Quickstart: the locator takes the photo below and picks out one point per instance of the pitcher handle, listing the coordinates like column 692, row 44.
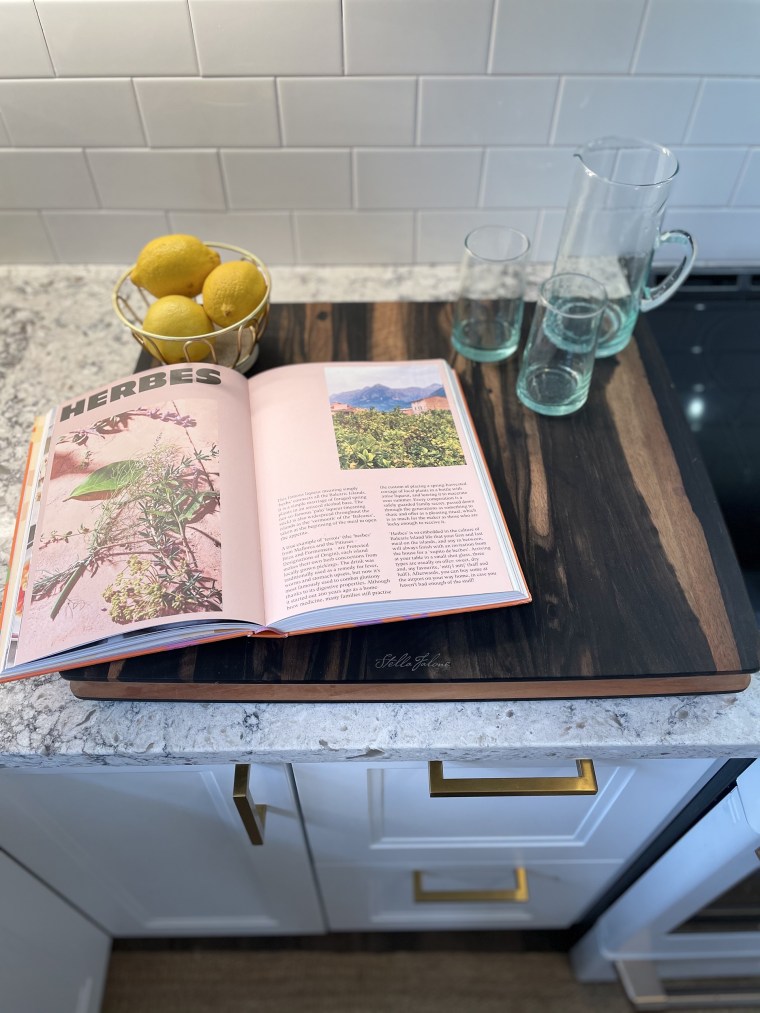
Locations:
column 656, row 296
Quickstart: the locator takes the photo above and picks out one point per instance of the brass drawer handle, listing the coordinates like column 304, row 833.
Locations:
column 251, row 814
column 473, row 787
column 517, row 896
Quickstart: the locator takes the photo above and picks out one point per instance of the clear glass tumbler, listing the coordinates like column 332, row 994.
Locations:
column 489, row 309
column 558, row 361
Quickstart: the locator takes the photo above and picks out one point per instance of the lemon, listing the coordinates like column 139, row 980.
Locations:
column 174, row 265
column 176, row 316
column 232, row 291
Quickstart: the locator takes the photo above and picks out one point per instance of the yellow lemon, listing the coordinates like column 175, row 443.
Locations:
column 174, row 265
column 176, row 316
column 232, row 291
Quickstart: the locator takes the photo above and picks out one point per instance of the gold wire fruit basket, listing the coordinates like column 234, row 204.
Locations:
column 236, row 346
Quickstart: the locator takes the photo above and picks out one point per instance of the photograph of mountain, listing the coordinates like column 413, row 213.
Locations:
column 392, row 416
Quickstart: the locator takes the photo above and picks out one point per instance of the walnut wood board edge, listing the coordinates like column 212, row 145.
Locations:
column 636, row 586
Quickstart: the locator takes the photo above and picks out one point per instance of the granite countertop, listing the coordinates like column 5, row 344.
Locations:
column 58, row 336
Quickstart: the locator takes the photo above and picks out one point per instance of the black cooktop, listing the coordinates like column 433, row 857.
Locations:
column 709, row 335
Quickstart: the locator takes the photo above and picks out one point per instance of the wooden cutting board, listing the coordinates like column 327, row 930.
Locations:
column 636, row 589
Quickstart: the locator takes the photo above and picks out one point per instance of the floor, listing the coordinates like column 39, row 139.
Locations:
column 439, row 972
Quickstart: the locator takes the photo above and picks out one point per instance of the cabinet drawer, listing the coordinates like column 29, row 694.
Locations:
column 370, row 812
column 405, row 897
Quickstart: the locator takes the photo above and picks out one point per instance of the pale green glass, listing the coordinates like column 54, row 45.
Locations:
column 488, row 312
column 558, row 360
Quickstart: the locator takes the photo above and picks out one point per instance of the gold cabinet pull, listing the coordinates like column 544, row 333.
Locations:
column 473, row 787
column 517, row 896
column 251, row 814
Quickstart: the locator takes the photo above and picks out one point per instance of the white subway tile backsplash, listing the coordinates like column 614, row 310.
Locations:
column 268, row 36
column 50, row 178
column 288, row 179
column 71, row 113
column 269, row 235
column 706, row 176
column 725, row 235
column 417, row 178
column 748, row 191
column 161, row 180
column 23, row 52
column 582, row 37
column 441, row 234
column 728, row 112
column 528, row 177
column 23, row 239
column 357, row 238
column 657, row 108
column 700, row 37
column 486, row 110
column 203, row 113
column 417, row 36
column 102, row 237
column 347, row 111
column 101, row 38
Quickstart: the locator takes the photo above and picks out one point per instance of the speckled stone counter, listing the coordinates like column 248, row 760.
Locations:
column 58, row 336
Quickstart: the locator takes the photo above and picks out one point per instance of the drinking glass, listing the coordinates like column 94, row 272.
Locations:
column 558, row 361
column 612, row 229
column 489, row 309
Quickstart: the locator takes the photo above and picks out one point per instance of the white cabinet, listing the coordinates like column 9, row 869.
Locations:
column 376, row 832
column 51, row 957
column 162, row 851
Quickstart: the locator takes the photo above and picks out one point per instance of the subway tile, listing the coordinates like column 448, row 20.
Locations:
column 728, row 112
column 723, row 236
column 550, row 222
column 203, row 113
column 102, row 237
column 656, row 108
column 701, row 37
column 71, row 113
column 441, row 234
column 45, row 179
column 706, row 176
column 23, row 239
column 748, row 191
column 23, row 52
column 269, row 180
column 559, row 37
column 161, row 180
column 417, row 178
column 355, row 237
column 528, row 177
column 417, row 36
column 266, row 234
column 118, row 38
column 486, row 110
column 268, row 36
column 347, row 111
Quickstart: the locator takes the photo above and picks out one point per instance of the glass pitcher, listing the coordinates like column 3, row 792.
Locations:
column 612, row 229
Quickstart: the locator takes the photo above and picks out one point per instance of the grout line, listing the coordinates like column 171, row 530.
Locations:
column 140, row 113
column 693, row 112
column 492, row 38
column 195, row 41
column 639, row 38
column 554, row 123
column 44, row 39
column 739, row 178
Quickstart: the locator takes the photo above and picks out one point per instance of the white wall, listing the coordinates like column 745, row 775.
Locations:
column 367, row 131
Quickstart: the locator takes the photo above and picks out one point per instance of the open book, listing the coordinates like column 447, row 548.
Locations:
column 188, row 503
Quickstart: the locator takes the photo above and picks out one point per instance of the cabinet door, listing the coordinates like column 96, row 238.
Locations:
column 163, row 851
column 51, row 958
column 384, row 813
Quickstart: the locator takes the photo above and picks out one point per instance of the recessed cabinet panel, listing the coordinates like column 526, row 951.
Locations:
column 384, row 898
column 163, row 851
column 384, row 812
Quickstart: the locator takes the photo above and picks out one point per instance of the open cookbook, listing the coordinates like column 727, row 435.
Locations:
column 189, row 503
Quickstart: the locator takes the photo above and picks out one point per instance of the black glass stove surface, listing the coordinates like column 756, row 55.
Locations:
column 709, row 335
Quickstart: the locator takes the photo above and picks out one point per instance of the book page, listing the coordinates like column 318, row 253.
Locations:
column 367, row 488
column 147, row 513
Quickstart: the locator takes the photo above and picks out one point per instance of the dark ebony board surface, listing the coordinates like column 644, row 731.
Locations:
column 636, row 589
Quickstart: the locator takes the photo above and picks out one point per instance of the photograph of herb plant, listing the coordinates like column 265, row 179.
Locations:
column 391, row 416
column 131, row 529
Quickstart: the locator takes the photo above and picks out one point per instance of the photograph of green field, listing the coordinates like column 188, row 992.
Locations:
column 392, row 417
